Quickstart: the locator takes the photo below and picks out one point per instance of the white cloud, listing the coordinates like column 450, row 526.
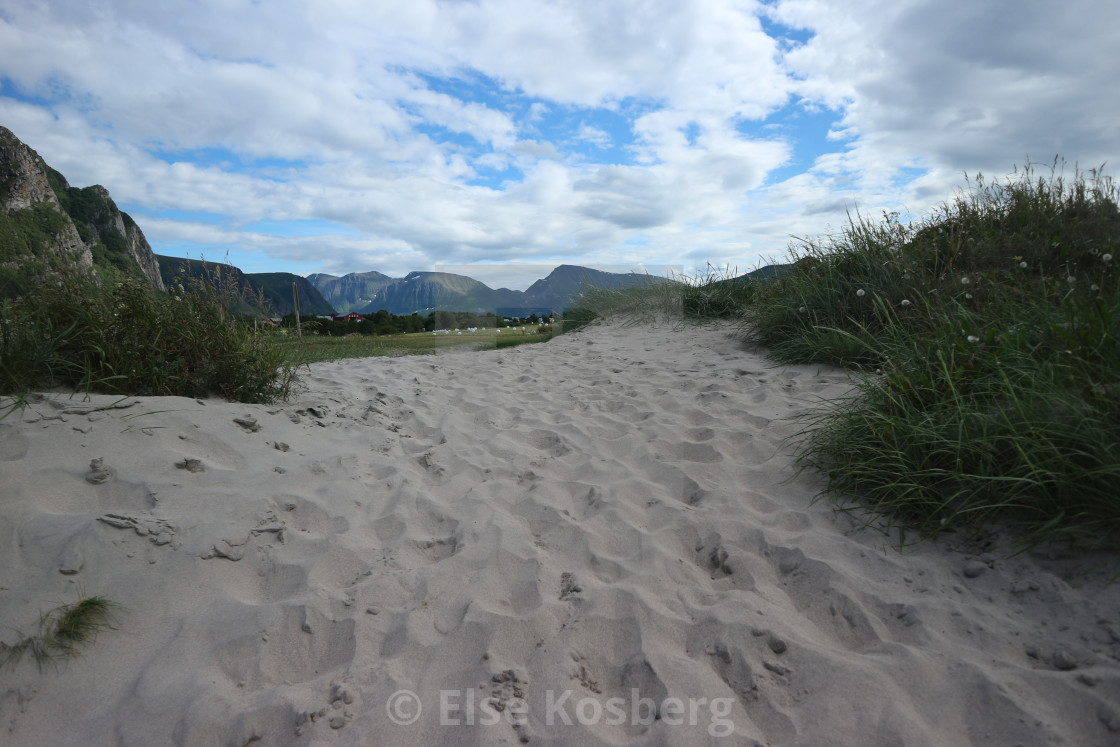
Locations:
column 379, row 117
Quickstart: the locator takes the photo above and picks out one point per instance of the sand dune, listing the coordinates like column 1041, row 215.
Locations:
column 595, row 540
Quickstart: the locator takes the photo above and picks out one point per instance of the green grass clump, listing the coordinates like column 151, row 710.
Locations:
column 70, row 330
column 985, row 345
column 62, row 632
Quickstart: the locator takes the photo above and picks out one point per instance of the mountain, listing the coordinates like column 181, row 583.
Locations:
column 425, row 292
column 350, row 292
column 565, row 283
column 274, row 287
column 43, row 218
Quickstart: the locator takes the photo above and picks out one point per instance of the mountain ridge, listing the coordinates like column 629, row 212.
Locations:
column 274, row 287
column 424, row 292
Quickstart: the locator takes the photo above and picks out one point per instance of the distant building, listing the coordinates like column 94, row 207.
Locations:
column 353, row 316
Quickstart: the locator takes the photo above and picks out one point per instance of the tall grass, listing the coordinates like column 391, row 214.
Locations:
column 984, row 342
column 71, row 330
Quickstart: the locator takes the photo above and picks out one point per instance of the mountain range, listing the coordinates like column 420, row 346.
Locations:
column 425, row 292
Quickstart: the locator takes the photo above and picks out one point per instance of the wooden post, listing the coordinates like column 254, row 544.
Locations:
column 295, row 302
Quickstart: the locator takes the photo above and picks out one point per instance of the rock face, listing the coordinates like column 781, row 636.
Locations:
column 46, row 216
column 24, row 186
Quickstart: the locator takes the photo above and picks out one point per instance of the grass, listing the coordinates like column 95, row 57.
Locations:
column 315, row 349
column 983, row 343
column 62, row 632
column 70, row 330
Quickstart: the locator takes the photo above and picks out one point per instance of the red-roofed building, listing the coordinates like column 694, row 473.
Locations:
column 353, row 316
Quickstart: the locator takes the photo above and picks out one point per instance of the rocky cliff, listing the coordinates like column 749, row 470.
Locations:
column 42, row 216
column 32, row 220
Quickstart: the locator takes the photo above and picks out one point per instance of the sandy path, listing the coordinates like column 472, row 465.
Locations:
column 594, row 530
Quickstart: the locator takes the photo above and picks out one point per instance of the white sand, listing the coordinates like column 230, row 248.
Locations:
column 610, row 514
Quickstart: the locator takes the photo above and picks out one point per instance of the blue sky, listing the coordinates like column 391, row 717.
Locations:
column 501, row 138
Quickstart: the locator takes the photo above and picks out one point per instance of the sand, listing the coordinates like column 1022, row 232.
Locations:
column 597, row 540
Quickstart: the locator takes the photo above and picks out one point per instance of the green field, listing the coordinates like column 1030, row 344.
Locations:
column 316, row 349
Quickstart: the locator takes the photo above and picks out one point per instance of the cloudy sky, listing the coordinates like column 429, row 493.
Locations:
column 499, row 138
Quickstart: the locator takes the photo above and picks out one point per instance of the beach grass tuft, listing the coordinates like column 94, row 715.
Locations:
column 62, row 632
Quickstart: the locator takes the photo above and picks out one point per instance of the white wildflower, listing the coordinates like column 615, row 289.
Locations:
column 905, row 302
column 1023, row 265
column 973, row 338
column 1106, row 257
column 1071, row 279
column 1094, row 287
column 861, row 293
column 965, row 281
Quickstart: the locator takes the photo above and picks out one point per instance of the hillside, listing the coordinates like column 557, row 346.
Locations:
column 274, row 287
column 44, row 219
column 566, row 282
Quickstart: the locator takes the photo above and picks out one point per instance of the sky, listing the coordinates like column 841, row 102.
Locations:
column 501, row 138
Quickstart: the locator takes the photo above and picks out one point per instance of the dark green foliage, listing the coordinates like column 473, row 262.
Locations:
column 128, row 338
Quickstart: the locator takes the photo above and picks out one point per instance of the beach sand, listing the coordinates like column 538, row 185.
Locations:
column 584, row 534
